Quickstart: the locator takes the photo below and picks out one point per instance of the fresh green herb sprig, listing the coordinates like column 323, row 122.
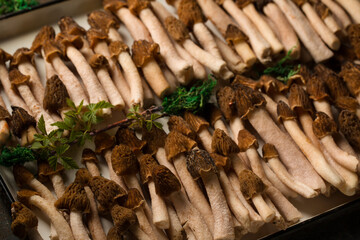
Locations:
column 142, row 120
column 281, row 70
column 17, row 155
column 192, row 100
column 8, row 6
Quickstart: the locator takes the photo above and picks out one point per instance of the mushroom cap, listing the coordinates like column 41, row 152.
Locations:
column 124, row 160
column 155, row 138
column 299, row 99
column 22, row 176
column 333, row 81
column 22, row 219
column 136, row 6
column 144, row 51
column 51, row 49
column 176, row 29
column 247, row 99
column 197, row 123
column 243, row 3
column 176, row 143
column 284, row 112
column 353, row 31
column 351, row 74
column 122, row 217
column 199, row 163
column 83, row 176
column 221, row 161
column 46, row 33
column 106, row 191
column 4, row 114
column 117, row 47
column 128, row 137
column 55, row 95
column 22, row 55
column 17, row 78
column 269, row 151
column 24, row 196
column 301, row 77
column 102, row 20
column 189, row 13
column 4, row 56
column 323, row 125
column 250, row 184
column 114, row 234
column 226, row 101
column 177, row 123
column 272, row 85
column 68, row 25
column 165, row 181
column 321, row 9
column 88, row 155
column 103, row 142
column 97, row 61
column 316, row 87
column 74, row 199
column 248, row 82
column 20, row 121
column 134, row 200
column 246, row 140
column 214, row 114
column 347, row 103
column 45, row 171
column 113, row 5
column 223, row 144
column 64, row 39
column 234, row 35
column 146, row 162
column 96, row 35
column 349, row 125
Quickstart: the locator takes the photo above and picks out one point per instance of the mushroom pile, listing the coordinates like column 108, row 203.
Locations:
column 205, row 178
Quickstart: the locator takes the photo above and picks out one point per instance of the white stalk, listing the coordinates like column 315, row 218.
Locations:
column 77, row 226
column 159, row 208
column 352, row 7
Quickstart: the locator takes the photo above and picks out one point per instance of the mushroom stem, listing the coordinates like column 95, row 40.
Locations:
column 263, row 28
column 58, row 184
column 4, row 132
column 189, row 233
column 278, row 220
column 352, row 7
column 245, row 52
column 206, row 39
column 326, row 35
column 94, row 222
column 49, row 70
column 138, row 233
column 113, row 175
column 93, row 169
column 175, row 231
column 332, row 24
column 36, row 86
column 77, row 226
column 264, row 210
column 338, row 12
column 260, row 46
column 343, row 158
column 27, row 136
column 155, row 77
column 160, row 211
column 305, row 32
column 287, row 34
column 145, row 224
column 148, row 95
column 182, row 70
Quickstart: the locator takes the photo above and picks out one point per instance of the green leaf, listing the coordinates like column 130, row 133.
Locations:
column 53, row 161
column 52, row 133
column 41, row 125
column 69, row 163
column 75, row 135
column 61, row 125
column 37, row 145
column 80, row 107
column 158, row 125
column 17, row 155
column 61, row 149
column 148, row 125
column 71, row 104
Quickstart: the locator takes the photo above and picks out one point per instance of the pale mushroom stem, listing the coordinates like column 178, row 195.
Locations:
column 94, row 222
column 49, row 70
column 160, row 211
column 182, row 70
column 102, row 48
column 170, row 78
column 189, row 233
column 36, row 86
column 145, row 224
column 72, row 84
column 113, row 175
column 175, row 230
column 206, row 40
column 155, row 77
column 4, row 132
column 138, row 233
column 352, row 7
column 27, row 136
column 263, row 28
column 93, row 168
column 58, row 184
column 89, row 78
column 324, row 32
column 61, row 226
column 286, row 33
column 332, row 25
column 15, row 100
column 235, row 62
column 278, row 220
column 255, row 220
column 264, row 210
column 304, row 30
column 236, row 124
column 260, row 46
column 77, row 226
column 245, row 52
column 338, row 12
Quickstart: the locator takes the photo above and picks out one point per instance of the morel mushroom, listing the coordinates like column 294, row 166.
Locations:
column 24, row 222
column 45, row 173
column 351, row 74
column 55, row 96
column 23, row 125
column 168, row 186
column 76, row 202
column 271, row 156
column 349, row 125
column 32, row 199
column 144, row 54
column 201, row 165
column 324, row 127
column 353, row 32
column 90, row 160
